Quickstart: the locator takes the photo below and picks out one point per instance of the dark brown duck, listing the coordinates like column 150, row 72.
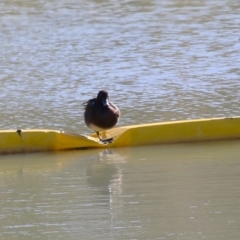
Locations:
column 100, row 114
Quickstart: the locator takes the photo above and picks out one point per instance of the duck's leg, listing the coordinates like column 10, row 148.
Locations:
column 105, row 141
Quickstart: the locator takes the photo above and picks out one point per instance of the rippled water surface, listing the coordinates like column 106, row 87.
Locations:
column 160, row 61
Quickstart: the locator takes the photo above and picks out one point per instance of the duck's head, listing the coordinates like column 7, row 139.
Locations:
column 103, row 97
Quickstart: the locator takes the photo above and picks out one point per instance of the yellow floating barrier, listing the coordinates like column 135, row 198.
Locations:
column 35, row 140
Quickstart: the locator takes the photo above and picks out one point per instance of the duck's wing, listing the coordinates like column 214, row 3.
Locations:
column 115, row 109
column 88, row 103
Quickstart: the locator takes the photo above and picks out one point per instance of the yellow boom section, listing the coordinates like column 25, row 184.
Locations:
column 17, row 141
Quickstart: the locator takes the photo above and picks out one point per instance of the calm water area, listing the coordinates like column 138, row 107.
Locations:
column 160, row 61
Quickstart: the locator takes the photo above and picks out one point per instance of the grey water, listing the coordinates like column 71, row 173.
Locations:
column 160, row 61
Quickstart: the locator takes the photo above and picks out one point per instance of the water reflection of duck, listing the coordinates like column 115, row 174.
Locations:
column 105, row 172
column 100, row 114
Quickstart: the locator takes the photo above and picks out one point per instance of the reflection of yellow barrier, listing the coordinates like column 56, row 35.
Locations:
column 12, row 141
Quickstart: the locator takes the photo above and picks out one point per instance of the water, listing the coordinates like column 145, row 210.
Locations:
column 182, row 56
column 160, row 61
column 186, row 191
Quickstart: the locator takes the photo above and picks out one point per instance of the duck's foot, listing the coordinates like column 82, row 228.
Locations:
column 104, row 141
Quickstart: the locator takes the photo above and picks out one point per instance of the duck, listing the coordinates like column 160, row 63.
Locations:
column 100, row 114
